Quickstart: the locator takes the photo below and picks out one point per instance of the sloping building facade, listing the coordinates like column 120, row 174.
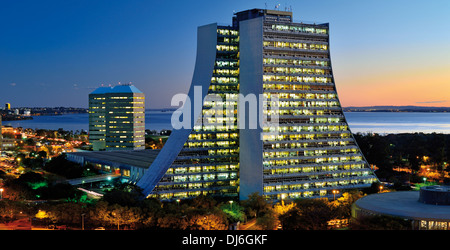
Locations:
column 302, row 148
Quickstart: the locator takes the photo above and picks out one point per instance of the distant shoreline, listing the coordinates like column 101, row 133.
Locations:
column 70, row 110
column 397, row 109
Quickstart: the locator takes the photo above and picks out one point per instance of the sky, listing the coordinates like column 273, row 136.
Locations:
column 54, row 53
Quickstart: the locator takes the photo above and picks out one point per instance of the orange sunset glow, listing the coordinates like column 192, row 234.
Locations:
column 404, row 84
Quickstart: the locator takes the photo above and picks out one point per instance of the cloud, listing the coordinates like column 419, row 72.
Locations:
column 13, row 84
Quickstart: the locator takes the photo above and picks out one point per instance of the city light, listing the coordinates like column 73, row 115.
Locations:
column 260, row 139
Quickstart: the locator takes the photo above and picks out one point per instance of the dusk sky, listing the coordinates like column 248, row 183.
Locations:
column 54, row 53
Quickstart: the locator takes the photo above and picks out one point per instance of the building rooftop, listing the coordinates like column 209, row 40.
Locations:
column 136, row 158
column 403, row 204
column 117, row 89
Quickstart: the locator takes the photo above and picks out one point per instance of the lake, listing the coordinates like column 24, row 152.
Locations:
column 398, row 122
column 364, row 122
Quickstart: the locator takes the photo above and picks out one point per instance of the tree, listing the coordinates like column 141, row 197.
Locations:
column 234, row 212
column 116, row 214
column 308, row 214
column 255, row 205
column 343, row 204
column 268, row 221
column 61, row 166
column 207, row 222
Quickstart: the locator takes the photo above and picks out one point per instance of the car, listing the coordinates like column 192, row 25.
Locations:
column 99, row 228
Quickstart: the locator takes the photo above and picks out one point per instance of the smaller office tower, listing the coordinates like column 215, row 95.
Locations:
column 117, row 118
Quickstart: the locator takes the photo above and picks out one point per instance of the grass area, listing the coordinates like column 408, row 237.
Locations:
column 417, row 186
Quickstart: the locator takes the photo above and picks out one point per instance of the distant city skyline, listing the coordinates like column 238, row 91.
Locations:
column 54, row 53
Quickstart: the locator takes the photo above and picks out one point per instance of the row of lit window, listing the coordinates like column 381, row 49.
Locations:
column 296, row 137
column 226, row 71
column 219, row 136
column 227, row 48
column 232, row 40
column 227, row 63
column 122, row 97
column 209, row 121
column 124, row 107
column 293, row 45
column 212, row 144
column 303, row 104
column 295, row 28
column 206, row 160
column 219, row 111
column 227, row 32
column 309, row 104
column 295, row 62
column 206, row 185
column 312, row 144
column 212, row 103
column 198, row 169
column 203, row 177
column 324, row 160
column 329, row 185
column 299, row 112
column 289, row 70
column 224, row 79
column 126, row 131
column 126, row 141
column 319, row 152
column 297, row 87
column 283, row 95
column 306, row 79
column 276, row 113
column 233, row 88
column 284, row 129
column 326, row 168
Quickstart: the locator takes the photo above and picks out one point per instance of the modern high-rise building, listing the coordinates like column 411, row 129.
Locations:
column 117, row 118
column 303, row 147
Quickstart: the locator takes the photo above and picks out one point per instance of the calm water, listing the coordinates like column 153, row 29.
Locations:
column 376, row 122
column 398, row 122
column 154, row 120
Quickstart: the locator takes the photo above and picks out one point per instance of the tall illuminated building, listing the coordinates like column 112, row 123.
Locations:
column 117, row 118
column 307, row 151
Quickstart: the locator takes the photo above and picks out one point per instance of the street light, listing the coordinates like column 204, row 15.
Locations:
column 334, row 194
column 1, row 193
column 231, row 205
